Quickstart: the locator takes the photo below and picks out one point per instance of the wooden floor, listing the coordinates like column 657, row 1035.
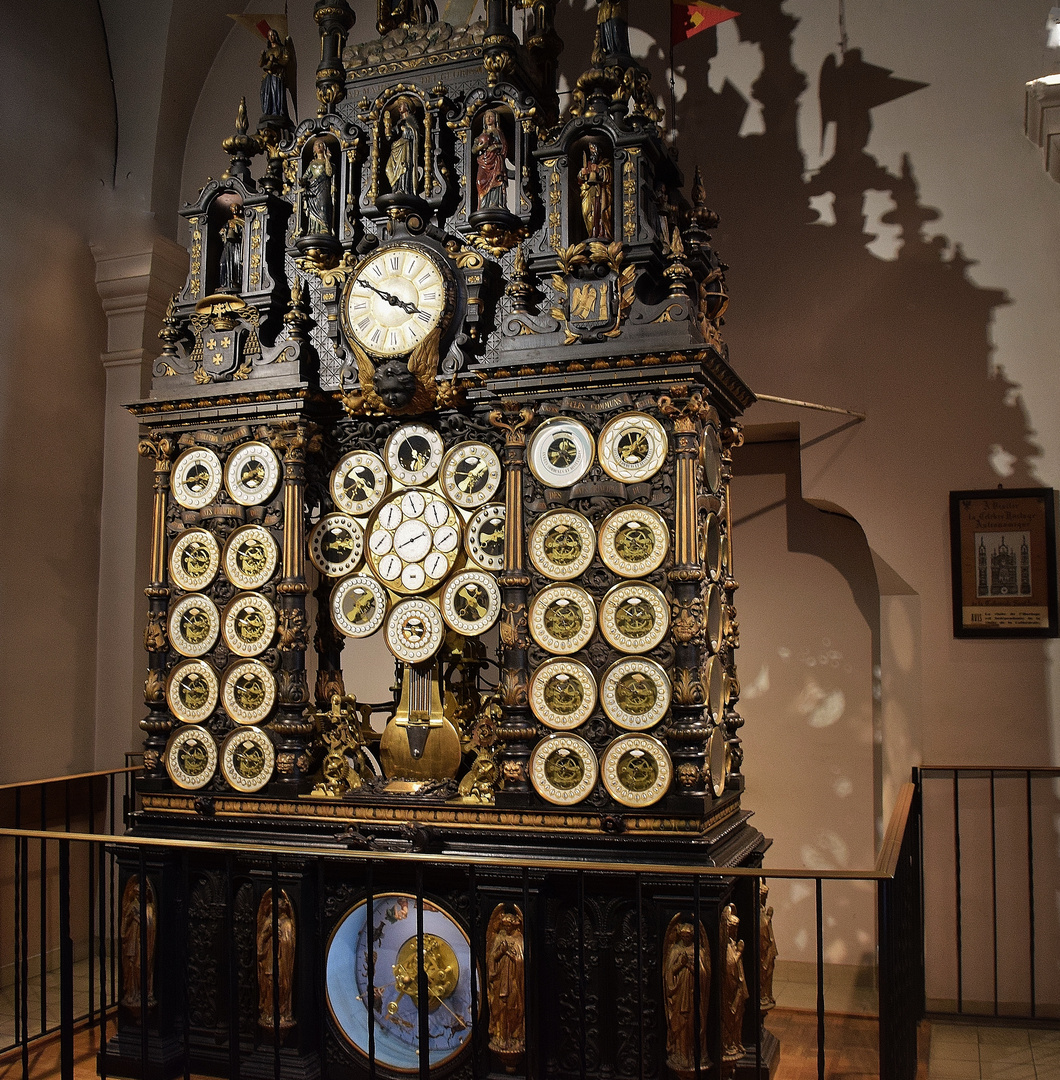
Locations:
column 850, row 1050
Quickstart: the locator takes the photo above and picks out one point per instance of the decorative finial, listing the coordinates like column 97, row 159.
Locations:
column 241, row 147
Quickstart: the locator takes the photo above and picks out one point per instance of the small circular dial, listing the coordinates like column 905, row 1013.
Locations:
column 632, row 447
column 562, row 544
column 560, row 452
column 248, row 691
column 414, row 630
column 191, row 757
column 194, row 624
column 562, row 694
column 634, row 541
column 485, row 537
column 634, row 618
column 336, row 544
column 250, row 557
column 635, row 693
column 247, row 759
column 563, row 769
column 252, row 473
column 394, row 299
column 196, row 478
column 414, row 454
column 358, row 482
column 471, row 602
column 471, row 474
column 358, row 605
column 191, row 691
column 562, row 619
column 413, row 540
column 194, row 559
column 248, row 624
column 636, row 770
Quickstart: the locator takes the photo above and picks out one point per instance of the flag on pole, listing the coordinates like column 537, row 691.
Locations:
column 688, row 17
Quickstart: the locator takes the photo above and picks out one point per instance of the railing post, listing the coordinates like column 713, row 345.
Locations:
column 66, row 967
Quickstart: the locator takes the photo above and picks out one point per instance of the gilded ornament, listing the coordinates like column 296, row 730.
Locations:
column 733, row 987
column 505, row 983
column 767, row 948
column 292, row 630
column 686, row 962
column 155, row 632
column 688, row 690
column 687, row 621
column 276, row 941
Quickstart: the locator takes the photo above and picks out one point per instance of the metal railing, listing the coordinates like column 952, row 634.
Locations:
column 989, row 875
column 141, row 1048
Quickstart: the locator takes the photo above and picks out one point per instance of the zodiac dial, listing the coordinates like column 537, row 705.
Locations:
column 359, row 605
column 471, row 602
column 191, row 691
column 248, row 624
column 634, row 541
column 194, row 624
column 634, row 618
column 252, row 473
column 336, row 544
column 632, row 447
column 191, row 757
column 414, row 540
column 247, row 759
column 635, row 693
column 358, row 482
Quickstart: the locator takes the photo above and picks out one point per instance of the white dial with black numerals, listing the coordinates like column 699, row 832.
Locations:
column 413, row 540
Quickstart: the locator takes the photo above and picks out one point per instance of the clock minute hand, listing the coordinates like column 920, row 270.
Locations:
column 394, row 301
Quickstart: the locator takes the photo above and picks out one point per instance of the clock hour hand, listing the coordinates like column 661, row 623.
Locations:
column 394, row 301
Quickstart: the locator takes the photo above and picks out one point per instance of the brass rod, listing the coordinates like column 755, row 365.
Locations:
column 810, row 405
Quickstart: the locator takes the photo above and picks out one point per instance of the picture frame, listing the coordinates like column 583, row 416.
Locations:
column 1003, row 558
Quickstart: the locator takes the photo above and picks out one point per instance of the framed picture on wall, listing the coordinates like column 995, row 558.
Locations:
column 1003, row 547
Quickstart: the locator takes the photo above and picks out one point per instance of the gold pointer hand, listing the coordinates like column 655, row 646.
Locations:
column 390, row 298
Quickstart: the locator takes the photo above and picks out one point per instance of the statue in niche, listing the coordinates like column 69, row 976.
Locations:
column 491, row 170
column 130, row 933
column 679, row 990
column 596, row 180
column 504, row 971
column 274, row 63
column 317, row 183
column 402, row 167
column 285, row 935
column 733, row 987
column 230, row 272
column 767, row 948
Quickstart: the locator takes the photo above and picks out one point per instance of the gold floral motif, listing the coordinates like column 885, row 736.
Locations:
column 154, row 687
column 155, row 632
column 284, row 763
column 688, row 690
column 291, row 628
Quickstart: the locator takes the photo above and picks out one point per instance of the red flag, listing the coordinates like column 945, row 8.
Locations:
column 688, row 17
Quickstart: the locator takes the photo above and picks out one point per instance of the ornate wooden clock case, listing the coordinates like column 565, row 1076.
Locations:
column 449, row 372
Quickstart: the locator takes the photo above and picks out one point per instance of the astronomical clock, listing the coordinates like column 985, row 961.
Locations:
column 446, row 384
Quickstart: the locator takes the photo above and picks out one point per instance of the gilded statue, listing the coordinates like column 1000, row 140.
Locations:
column 317, row 184
column 490, row 150
column 285, row 935
column 767, row 948
column 402, row 167
column 274, row 63
column 596, row 183
column 679, row 990
column 345, row 767
column 733, row 987
column 130, row 933
column 230, row 271
column 504, row 980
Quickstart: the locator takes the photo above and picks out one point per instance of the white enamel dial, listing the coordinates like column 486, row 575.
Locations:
column 414, row 540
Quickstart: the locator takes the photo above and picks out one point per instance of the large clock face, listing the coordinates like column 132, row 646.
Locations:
column 394, row 299
column 413, row 540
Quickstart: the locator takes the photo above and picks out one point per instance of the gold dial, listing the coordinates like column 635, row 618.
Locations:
column 194, row 624
column 471, row 474
column 194, row 559
column 563, row 769
column 635, row 693
column 248, row 691
column 719, row 760
column 634, row 541
column 252, row 473
column 250, row 557
column 394, row 298
column 634, row 618
column 358, row 605
column 414, row 540
column 562, row 619
column 562, row 544
column 710, row 538
column 247, row 759
column 716, row 682
column 562, row 694
column 191, row 691
column 485, row 537
column 413, row 454
column 196, row 478
column 191, row 757
column 632, row 447
column 636, row 770
column 248, row 624
column 560, row 452
column 471, row 602
column 414, row 630
column 336, row 544
column 358, row 482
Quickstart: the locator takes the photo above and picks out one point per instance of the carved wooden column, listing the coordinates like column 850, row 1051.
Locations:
column 517, row 726
column 328, row 642
column 290, row 728
column 688, row 731
column 334, row 19
column 158, row 723
column 732, row 437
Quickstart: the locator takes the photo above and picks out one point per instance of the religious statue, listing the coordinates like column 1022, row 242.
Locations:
column 612, row 21
column 504, row 980
column 274, row 64
column 285, row 935
column 491, row 175
column 767, row 948
column 317, row 182
column 596, row 180
column 733, row 987
column 679, row 990
column 402, row 167
column 131, row 944
column 230, row 272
